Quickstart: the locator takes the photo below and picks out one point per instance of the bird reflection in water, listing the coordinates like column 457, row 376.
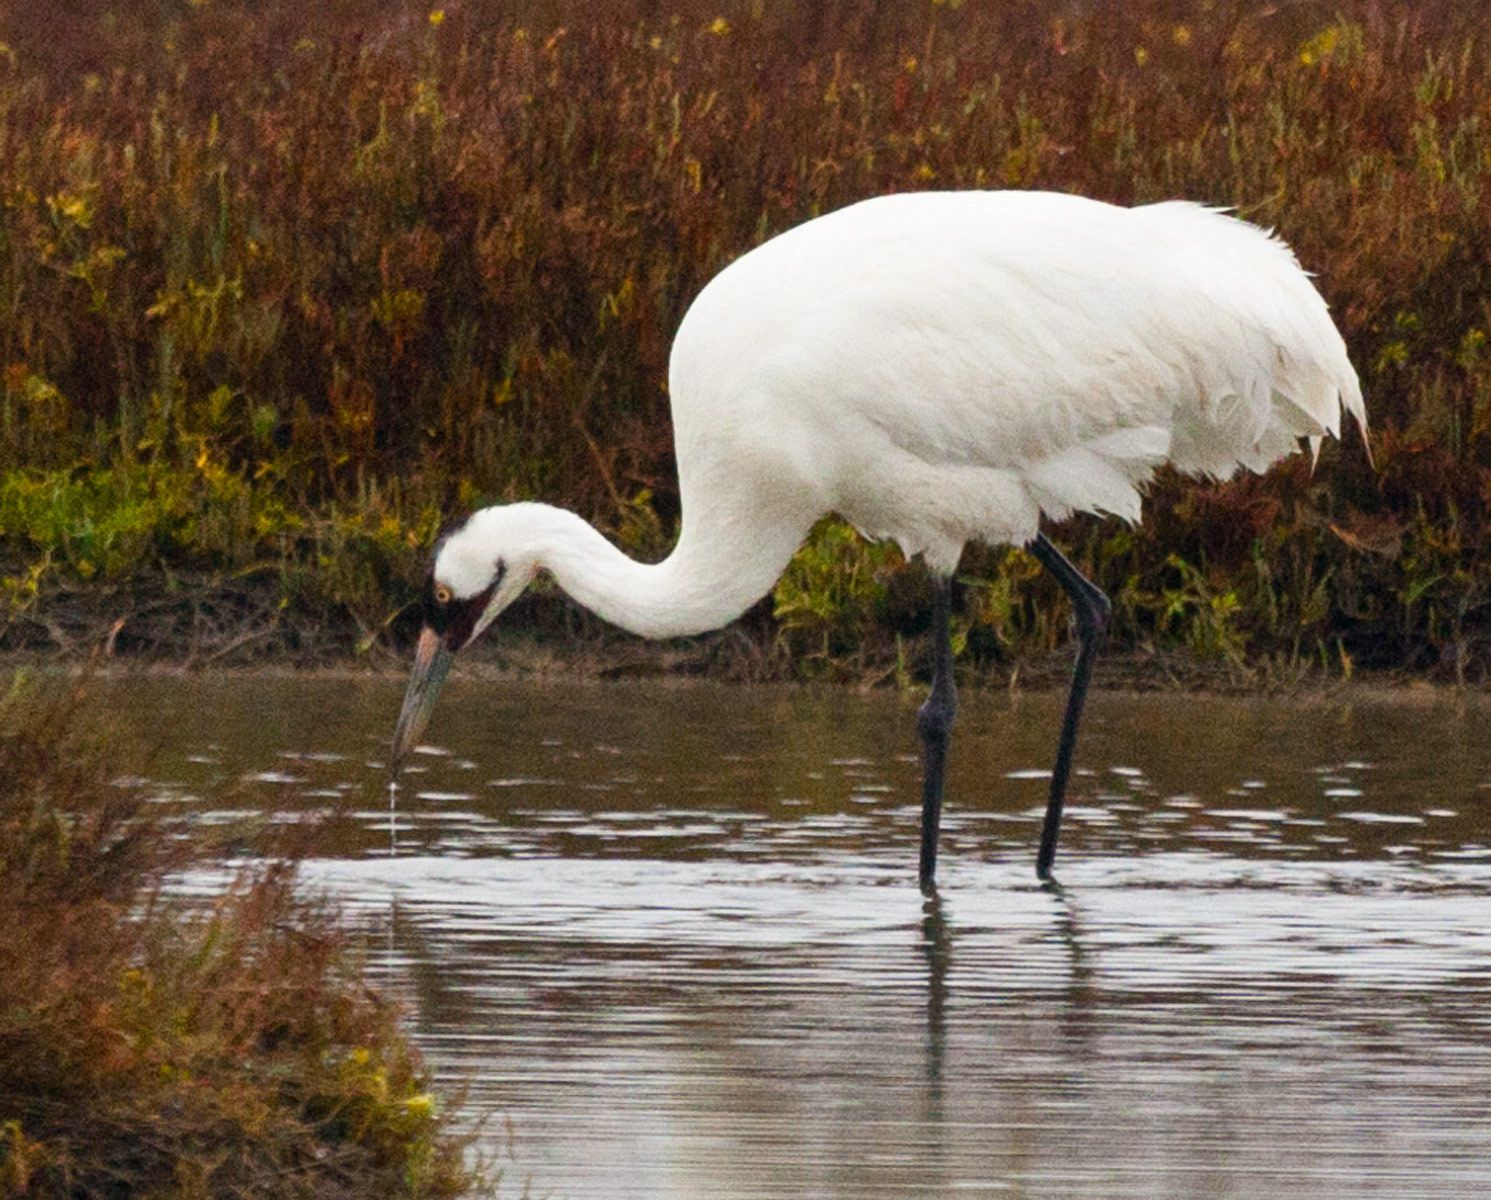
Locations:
column 937, row 949
column 1073, row 1011
column 1081, row 1001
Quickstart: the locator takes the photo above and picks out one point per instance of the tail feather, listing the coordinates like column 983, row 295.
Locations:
column 1277, row 368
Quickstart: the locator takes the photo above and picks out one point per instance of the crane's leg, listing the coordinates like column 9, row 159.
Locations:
column 1093, row 612
column 934, row 721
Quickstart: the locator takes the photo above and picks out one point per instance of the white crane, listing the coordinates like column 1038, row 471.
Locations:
column 937, row 368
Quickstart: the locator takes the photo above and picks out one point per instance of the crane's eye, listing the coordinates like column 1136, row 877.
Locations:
column 442, row 594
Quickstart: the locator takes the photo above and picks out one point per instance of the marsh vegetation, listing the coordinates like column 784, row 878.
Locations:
column 152, row 1046
column 283, row 285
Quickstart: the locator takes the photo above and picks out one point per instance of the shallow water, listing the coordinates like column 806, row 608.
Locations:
column 670, row 939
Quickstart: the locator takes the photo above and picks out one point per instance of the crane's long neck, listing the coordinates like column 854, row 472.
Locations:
column 717, row 571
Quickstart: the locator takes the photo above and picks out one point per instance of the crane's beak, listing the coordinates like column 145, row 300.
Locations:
column 432, row 659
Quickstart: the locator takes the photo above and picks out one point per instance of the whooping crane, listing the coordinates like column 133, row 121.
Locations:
column 934, row 368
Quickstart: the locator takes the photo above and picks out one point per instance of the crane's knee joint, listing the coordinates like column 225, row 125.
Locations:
column 1094, row 615
column 934, row 719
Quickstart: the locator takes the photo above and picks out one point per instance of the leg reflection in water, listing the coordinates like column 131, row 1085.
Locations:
column 1081, row 993
column 937, row 949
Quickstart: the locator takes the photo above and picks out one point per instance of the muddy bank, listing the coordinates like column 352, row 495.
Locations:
column 241, row 626
column 208, row 622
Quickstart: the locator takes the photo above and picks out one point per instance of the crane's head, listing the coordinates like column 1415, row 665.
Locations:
column 468, row 584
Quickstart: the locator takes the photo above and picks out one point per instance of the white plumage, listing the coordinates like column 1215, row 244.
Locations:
column 939, row 367
column 936, row 368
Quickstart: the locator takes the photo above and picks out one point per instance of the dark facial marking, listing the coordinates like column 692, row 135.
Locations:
column 454, row 620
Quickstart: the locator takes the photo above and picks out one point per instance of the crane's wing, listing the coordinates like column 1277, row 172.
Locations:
column 1042, row 351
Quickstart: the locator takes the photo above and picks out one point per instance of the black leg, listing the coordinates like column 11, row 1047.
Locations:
column 934, row 721
column 1093, row 611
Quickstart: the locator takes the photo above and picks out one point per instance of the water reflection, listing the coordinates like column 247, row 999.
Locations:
column 675, row 934
column 937, row 949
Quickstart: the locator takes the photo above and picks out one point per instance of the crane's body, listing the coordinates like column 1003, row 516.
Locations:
column 940, row 368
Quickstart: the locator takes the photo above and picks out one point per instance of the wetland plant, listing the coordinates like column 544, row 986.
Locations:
column 151, row 1048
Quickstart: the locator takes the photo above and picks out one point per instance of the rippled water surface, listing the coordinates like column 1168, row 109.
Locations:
column 670, row 939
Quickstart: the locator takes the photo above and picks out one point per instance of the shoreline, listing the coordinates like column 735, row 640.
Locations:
column 196, row 626
column 529, row 660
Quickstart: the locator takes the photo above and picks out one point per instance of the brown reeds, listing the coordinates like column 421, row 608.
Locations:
column 150, row 1047
column 281, row 284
